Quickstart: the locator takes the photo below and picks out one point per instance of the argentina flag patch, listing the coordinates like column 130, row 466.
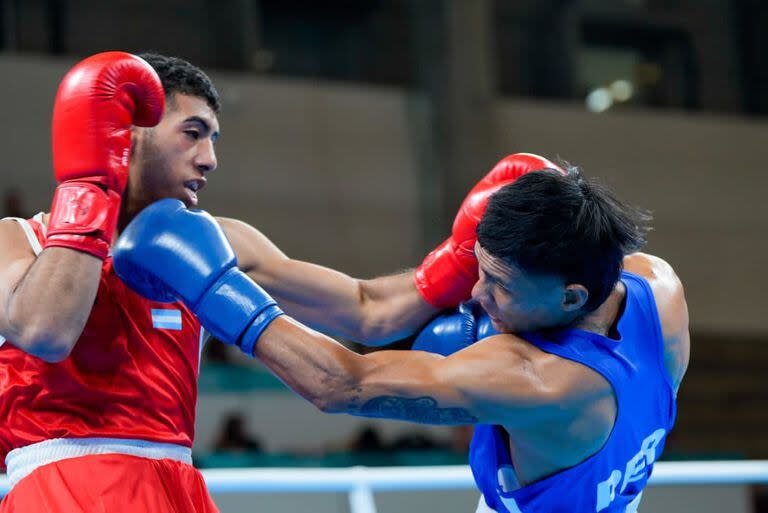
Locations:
column 166, row 319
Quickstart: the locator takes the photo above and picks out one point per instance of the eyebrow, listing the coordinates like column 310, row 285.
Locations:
column 491, row 275
column 494, row 278
column 206, row 126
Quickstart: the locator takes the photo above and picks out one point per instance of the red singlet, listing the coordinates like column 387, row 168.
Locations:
column 131, row 378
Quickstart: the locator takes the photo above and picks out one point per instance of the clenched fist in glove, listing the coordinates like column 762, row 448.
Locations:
column 98, row 102
column 446, row 276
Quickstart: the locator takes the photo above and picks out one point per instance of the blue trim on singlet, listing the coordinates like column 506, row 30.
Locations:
column 612, row 479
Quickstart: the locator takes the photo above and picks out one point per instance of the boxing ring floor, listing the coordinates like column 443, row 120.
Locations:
column 360, row 483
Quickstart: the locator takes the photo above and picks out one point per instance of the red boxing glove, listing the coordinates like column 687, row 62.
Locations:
column 446, row 276
column 97, row 103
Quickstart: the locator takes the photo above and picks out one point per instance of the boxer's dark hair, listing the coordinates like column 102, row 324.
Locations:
column 179, row 76
column 564, row 225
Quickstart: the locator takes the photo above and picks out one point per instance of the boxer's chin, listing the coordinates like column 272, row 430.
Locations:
column 500, row 326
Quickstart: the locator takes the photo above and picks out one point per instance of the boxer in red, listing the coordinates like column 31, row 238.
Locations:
column 97, row 384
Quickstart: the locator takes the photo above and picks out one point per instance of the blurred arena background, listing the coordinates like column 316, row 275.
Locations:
column 351, row 129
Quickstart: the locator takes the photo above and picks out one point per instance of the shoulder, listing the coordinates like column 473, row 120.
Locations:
column 240, row 234
column 253, row 248
column 9, row 227
column 657, row 271
column 546, row 397
column 14, row 239
column 233, row 226
column 17, row 255
column 667, row 288
column 669, row 296
column 550, row 380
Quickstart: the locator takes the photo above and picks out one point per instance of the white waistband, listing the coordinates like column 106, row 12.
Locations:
column 22, row 461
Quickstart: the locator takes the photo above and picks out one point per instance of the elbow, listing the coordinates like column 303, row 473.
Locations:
column 42, row 335
column 326, row 404
column 331, row 400
column 374, row 326
column 43, row 344
column 376, row 330
column 373, row 336
column 337, row 393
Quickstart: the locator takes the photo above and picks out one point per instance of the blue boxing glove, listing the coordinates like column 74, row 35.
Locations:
column 169, row 253
column 484, row 325
column 455, row 330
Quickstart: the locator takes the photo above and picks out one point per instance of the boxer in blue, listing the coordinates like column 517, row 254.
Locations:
column 572, row 387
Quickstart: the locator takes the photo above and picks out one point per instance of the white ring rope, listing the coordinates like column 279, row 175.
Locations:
column 355, row 479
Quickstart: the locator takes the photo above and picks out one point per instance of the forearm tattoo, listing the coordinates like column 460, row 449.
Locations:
column 421, row 409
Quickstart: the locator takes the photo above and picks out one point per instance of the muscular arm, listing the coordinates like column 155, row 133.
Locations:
column 44, row 301
column 375, row 312
column 500, row 380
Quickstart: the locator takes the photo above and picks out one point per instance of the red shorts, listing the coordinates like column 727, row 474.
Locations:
column 111, row 483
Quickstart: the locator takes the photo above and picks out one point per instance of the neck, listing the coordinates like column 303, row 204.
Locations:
column 602, row 320
column 128, row 209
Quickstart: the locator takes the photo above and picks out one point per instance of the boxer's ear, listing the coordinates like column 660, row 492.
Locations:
column 575, row 296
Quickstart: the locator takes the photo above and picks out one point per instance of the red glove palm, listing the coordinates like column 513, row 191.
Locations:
column 97, row 103
column 446, row 276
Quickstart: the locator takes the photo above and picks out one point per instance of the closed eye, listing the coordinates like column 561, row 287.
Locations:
column 193, row 134
column 497, row 285
column 494, row 282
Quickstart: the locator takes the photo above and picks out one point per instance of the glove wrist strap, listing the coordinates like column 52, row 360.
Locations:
column 83, row 217
column 236, row 310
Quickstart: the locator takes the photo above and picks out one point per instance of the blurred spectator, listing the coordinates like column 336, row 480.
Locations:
column 760, row 498
column 13, row 204
column 367, row 439
column 461, row 436
column 234, row 437
column 216, row 352
column 415, row 441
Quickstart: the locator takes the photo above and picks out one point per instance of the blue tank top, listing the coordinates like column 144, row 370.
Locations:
column 612, row 479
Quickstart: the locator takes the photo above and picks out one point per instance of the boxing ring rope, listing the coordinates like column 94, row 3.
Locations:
column 360, row 482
